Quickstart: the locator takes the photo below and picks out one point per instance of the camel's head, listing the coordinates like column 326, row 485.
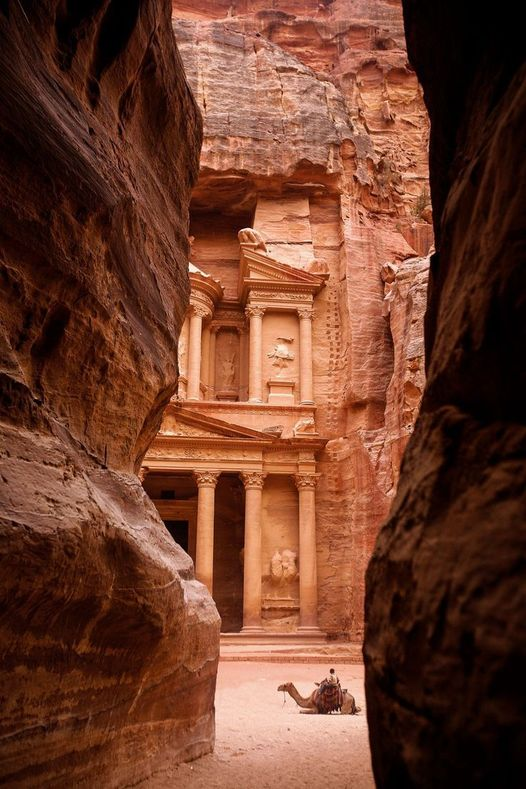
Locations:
column 285, row 686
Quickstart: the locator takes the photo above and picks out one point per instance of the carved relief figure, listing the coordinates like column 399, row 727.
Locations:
column 304, row 425
column 283, row 567
column 228, row 371
column 252, row 237
column 281, row 354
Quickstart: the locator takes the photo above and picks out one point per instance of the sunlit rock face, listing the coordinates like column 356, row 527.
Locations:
column 446, row 635
column 315, row 132
column 108, row 646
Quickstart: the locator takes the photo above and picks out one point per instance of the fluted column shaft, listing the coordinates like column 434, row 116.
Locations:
column 253, row 482
column 204, row 548
column 255, row 363
column 194, row 353
column 306, row 484
column 306, row 386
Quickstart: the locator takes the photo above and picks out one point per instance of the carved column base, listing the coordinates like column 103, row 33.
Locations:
column 252, row 630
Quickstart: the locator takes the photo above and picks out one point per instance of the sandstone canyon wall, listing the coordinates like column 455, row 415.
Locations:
column 108, row 646
column 446, row 636
column 315, row 133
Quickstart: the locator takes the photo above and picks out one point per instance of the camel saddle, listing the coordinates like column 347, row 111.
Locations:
column 329, row 698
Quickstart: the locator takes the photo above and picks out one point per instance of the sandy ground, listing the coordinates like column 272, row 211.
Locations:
column 262, row 742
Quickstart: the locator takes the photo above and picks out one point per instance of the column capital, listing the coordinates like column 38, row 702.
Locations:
column 305, row 313
column 253, row 479
column 206, row 479
column 200, row 311
column 254, row 311
column 306, row 480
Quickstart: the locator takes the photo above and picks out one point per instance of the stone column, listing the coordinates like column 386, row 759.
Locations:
column 253, row 482
column 255, row 363
column 243, row 367
column 306, row 388
column 306, row 484
column 205, row 357
column 183, row 357
column 204, row 548
column 212, row 362
column 194, row 352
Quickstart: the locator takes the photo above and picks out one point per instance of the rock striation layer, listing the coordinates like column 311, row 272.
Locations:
column 315, row 134
column 445, row 645
column 108, row 645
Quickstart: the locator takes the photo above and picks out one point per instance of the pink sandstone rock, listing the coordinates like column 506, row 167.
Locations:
column 108, row 645
column 445, row 644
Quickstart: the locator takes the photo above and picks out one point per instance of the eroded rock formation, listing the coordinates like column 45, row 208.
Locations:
column 446, row 637
column 316, row 136
column 108, row 645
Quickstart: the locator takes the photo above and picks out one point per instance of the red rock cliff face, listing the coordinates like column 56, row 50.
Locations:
column 315, row 126
column 103, row 628
column 446, row 637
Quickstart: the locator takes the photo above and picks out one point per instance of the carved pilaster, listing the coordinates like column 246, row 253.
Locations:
column 305, row 315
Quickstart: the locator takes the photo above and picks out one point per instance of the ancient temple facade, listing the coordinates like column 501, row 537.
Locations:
column 234, row 469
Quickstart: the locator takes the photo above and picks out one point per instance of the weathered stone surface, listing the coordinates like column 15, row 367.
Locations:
column 446, row 638
column 103, row 628
column 316, row 134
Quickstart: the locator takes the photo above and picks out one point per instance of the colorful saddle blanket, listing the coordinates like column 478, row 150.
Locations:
column 329, row 698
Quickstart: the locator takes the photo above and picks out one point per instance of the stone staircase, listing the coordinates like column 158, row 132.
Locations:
column 287, row 648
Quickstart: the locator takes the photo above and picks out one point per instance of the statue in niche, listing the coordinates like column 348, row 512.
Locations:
column 281, row 354
column 228, row 371
column 283, row 567
column 252, row 238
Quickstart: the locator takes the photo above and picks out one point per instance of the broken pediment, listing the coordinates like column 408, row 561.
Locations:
column 183, row 422
column 259, row 269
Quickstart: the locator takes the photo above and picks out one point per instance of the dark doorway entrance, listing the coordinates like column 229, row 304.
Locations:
column 179, row 531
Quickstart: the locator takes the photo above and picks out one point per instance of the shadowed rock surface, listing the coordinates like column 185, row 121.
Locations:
column 108, row 645
column 446, row 634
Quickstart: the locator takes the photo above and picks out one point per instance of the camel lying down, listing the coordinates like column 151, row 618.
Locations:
column 311, row 703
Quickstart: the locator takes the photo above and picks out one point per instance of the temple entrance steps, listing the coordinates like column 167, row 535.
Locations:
column 287, row 648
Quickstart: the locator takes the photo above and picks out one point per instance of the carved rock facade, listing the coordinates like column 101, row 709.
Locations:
column 315, row 148
column 103, row 628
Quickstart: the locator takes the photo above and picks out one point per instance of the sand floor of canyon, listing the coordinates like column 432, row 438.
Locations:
column 262, row 742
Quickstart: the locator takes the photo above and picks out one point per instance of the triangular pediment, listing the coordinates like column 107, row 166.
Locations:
column 261, row 268
column 185, row 423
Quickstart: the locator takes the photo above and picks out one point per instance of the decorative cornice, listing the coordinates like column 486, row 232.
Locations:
column 306, row 480
column 253, row 479
column 206, row 479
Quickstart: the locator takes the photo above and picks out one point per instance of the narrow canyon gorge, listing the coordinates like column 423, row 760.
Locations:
column 220, row 271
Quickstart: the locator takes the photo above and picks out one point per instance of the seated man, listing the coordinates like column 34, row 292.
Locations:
column 330, row 696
